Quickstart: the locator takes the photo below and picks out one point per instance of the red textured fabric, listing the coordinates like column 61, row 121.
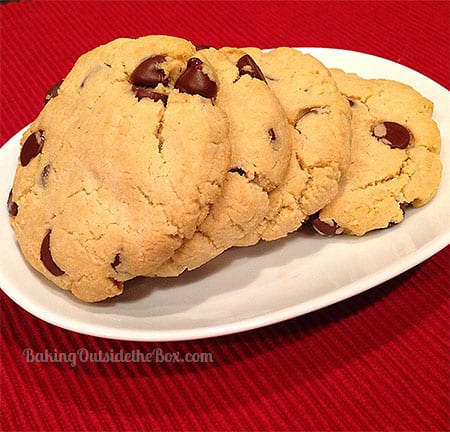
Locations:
column 378, row 361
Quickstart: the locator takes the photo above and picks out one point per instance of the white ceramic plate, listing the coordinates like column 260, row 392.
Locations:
column 251, row 287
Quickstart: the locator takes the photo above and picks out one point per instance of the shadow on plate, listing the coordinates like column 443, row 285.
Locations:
column 212, row 279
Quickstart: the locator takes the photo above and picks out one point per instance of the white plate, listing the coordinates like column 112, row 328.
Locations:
column 252, row 287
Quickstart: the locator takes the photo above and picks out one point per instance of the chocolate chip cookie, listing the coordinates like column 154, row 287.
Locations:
column 394, row 159
column 261, row 149
column 319, row 120
column 153, row 156
column 121, row 166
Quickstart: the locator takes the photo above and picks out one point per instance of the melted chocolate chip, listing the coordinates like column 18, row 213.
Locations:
column 247, row 66
column 272, row 135
column 53, row 91
column 47, row 259
column 116, row 261
column 44, row 175
column 392, row 134
column 240, row 171
column 148, row 93
column 194, row 81
column 31, row 148
column 12, row 205
column 322, row 227
column 149, row 73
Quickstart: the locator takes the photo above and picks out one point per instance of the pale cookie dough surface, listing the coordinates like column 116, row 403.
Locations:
column 126, row 167
column 319, row 120
column 395, row 156
column 261, row 149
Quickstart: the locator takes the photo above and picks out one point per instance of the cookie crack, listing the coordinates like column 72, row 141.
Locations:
column 366, row 100
column 158, row 134
column 83, row 190
column 151, row 203
column 159, row 130
column 380, row 181
column 210, row 239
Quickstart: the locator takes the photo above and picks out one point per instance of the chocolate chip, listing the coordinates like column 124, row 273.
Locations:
column 31, row 148
column 12, row 206
column 116, row 261
column 240, row 171
column 149, row 73
column 201, row 47
column 272, row 134
column 147, row 93
column 118, row 284
column 194, row 81
column 323, row 228
column 44, row 175
column 392, row 134
column 247, row 65
column 53, row 91
column 403, row 206
column 47, row 259
column 351, row 102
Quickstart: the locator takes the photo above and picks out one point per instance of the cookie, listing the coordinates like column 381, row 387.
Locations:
column 394, row 160
column 121, row 166
column 261, row 148
column 319, row 120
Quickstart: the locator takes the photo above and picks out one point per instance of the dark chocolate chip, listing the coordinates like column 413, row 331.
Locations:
column 116, row 261
column 31, row 148
column 351, row 102
column 12, row 205
column 142, row 92
column 118, row 284
column 247, row 65
column 403, row 206
column 392, row 134
column 53, row 91
column 240, row 171
column 149, row 73
column 44, row 175
column 47, row 259
column 201, row 47
column 322, row 227
column 272, row 134
column 194, row 81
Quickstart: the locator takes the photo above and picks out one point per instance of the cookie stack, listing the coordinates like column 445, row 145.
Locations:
column 153, row 156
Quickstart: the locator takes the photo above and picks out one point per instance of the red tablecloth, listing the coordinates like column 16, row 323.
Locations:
column 378, row 361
